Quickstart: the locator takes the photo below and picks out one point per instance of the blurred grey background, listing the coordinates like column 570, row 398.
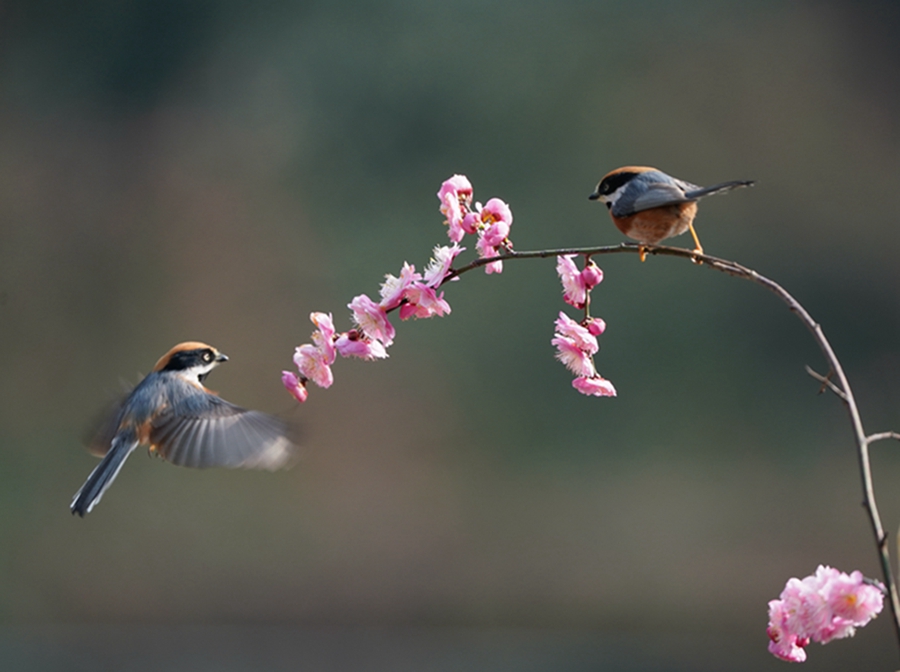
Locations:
column 178, row 170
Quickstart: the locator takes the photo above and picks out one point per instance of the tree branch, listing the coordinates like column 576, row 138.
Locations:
column 826, row 383
column 872, row 438
column 841, row 388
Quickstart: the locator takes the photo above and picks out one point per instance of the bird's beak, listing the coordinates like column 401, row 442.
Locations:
column 596, row 197
column 221, row 358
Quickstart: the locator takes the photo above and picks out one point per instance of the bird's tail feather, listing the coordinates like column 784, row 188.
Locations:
column 718, row 189
column 102, row 477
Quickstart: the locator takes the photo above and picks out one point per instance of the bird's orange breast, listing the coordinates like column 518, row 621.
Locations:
column 656, row 224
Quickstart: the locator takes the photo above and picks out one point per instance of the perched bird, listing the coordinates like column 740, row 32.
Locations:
column 179, row 419
column 650, row 206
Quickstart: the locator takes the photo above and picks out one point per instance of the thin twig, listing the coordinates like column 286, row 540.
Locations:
column 841, row 388
column 872, row 438
column 826, row 383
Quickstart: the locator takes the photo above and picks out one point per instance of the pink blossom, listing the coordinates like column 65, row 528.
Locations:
column 491, row 222
column 806, row 611
column 595, row 325
column 353, row 344
column 496, row 211
column 455, row 196
column 440, row 263
column 591, row 275
column 496, row 218
column 470, row 223
column 784, row 644
column 459, row 186
column 372, row 319
column 392, row 288
column 574, row 290
column 294, row 385
column 423, row 301
column 486, row 251
column 828, row 605
column 575, row 347
column 495, row 233
column 580, row 337
column 323, row 337
column 853, row 602
column 573, row 357
column 576, row 284
column 310, row 360
column 594, row 386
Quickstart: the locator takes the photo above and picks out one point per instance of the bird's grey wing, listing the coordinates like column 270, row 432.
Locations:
column 657, row 195
column 206, row 431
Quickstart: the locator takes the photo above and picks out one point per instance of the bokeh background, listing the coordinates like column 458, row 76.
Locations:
column 209, row 170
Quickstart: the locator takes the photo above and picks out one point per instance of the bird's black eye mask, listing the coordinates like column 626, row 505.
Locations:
column 613, row 182
column 188, row 359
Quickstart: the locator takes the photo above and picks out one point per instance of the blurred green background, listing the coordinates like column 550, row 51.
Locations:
column 178, row 170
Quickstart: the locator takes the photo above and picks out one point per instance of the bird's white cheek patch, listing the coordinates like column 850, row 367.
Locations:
column 192, row 375
column 614, row 196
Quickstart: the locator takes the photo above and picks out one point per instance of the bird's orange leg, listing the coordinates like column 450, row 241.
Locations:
column 698, row 247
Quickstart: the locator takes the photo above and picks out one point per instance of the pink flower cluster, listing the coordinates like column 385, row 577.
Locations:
column 828, row 605
column 490, row 222
column 576, row 343
column 314, row 359
column 415, row 294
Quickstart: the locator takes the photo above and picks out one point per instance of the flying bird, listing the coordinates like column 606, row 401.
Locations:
column 180, row 420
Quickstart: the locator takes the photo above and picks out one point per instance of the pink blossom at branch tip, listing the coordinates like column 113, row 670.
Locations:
column 595, row 325
column 574, row 290
column 596, row 386
column 852, row 598
column 354, row 344
column 312, row 365
column 294, row 385
column 392, row 288
column 828, row 605
column 423, row 301
column 783, row 644
column 459, row 186
column 440, row 263
column 372, row 319
column 455, row 196
column 486, row 251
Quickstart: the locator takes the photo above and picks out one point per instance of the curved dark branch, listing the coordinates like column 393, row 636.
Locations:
column 836, row 380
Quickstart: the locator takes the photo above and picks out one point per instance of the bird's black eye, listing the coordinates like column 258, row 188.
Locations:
column 208, row 356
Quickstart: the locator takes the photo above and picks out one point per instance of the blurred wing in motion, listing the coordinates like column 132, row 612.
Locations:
column 99, row 437
column 207, row 431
